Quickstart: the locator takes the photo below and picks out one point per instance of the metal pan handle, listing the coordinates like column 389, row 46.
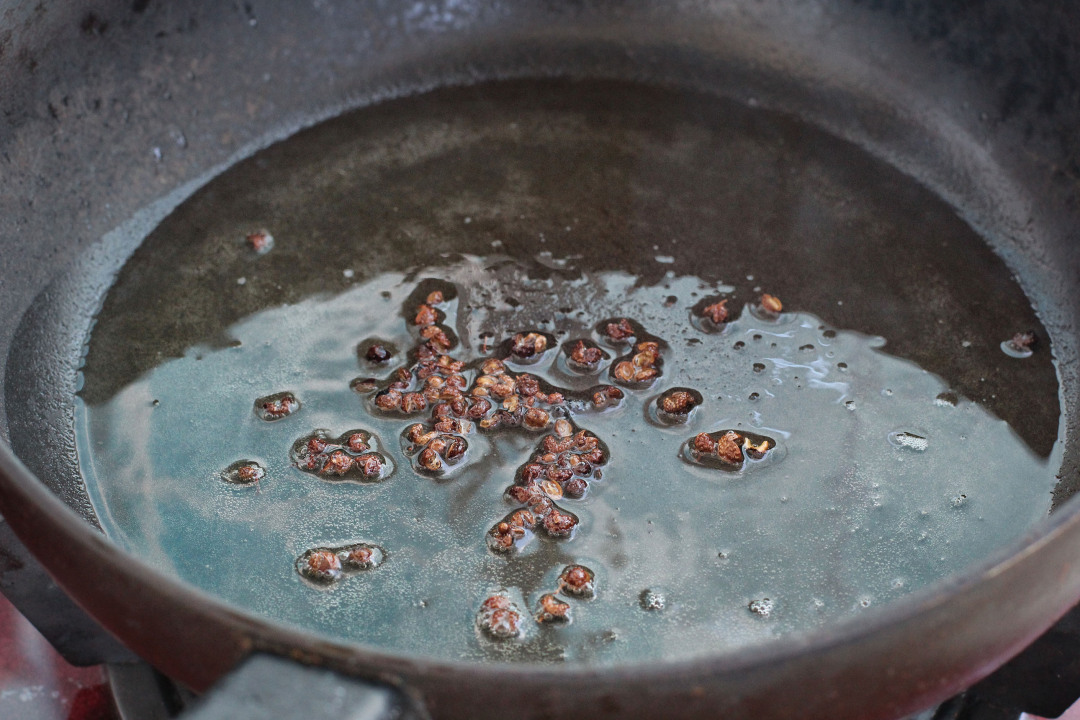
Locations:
column 266, row 687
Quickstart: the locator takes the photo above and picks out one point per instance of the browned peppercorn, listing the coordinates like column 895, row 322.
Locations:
column 435, row 297
column 526, row 345
column 362, row 557
column 377, row 354
column 413, row 403
column 437, row 337
column 620, row 330
column 552, row 609
column 426, row 315
column 717, row 312
column 429, row 460
column 678, row 402
column 771, row 304
column 728, row 448
column 586, row 356
column 576, row 488
column 559, row 524
column 357, row 443
column 756, row 452
column 455, row 450
column 535, row 418
column 248, row 473
column 322, row 565
column 503, row 621
column 316, row 445
column 370, row 464
column 577, row 580
column 338, row 463
column 478, row 408
column 388, row 400
column 624, row 371
column 704, row 444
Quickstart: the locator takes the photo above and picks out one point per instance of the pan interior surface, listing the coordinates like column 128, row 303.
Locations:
column 905, row 443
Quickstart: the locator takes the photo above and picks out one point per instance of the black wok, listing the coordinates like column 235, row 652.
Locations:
column 108, row 109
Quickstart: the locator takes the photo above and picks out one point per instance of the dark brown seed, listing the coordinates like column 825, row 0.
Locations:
column 377, row 354
column 429, row 460
column 535, row 418
column 357, row 443
column 455, row 450
column 413, row 403
column 478, row 408
column 438, row 338
column 435, row 297
column 559, row 524
column 575, row 488
column 388, row 400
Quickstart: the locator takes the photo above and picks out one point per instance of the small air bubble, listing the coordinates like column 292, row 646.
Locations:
column 652, row 600
column 762, row 607
column 887, row 392
column 759, row 367
column 850, row 405
column 959, row 500
column 241, row 281
column 946, row 399
column 348, row 272
column 909, row 441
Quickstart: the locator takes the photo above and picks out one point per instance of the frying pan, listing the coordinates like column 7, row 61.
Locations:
column 114, row 113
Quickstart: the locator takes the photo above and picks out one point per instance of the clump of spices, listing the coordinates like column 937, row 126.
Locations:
column 351, row 456
column 728, row 448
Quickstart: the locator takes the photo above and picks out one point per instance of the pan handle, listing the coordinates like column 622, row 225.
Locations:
column 266, row 687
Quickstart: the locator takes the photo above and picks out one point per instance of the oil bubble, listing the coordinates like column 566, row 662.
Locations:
column 761, row 608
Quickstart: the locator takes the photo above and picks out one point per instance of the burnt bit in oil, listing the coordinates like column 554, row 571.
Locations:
column 577, row 581
column 551, row 609
column 499, row 617
column 277, row 406
column 244, row 472
column 727, row 449
column 675, row 405
column 353, row 456
column 583, row 356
